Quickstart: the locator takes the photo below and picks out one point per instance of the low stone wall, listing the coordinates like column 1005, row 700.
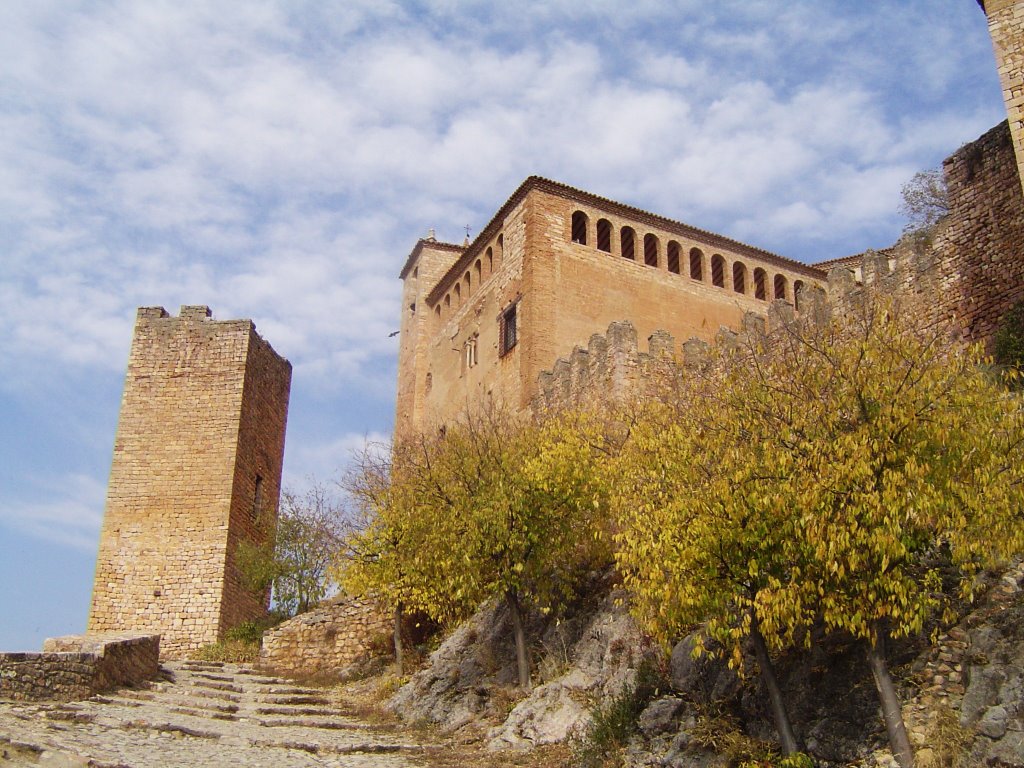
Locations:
column 322, row 642
column 79, row 666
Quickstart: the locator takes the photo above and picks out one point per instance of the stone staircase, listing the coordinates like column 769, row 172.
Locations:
column 204, row 714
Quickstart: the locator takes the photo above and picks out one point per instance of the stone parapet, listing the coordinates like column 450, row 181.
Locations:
column 79, row 666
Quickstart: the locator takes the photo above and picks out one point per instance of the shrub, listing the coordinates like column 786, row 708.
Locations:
column 614, row 721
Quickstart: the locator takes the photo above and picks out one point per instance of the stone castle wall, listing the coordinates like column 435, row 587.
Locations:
column 196, row 467
column 325, row 640
column 77, row 667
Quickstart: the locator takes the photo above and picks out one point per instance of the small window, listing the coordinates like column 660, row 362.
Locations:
column 717, row 271
column 760, row 284
column 780, row 287
column 469, row 353
column 697, row 264
column 672, row 257
column 477, row 269
column 579, row 227
column 257, row 499
column 604, row 235
column 798, row 286
column 628, row 241
column 507, row 336
column 650, row 250
column 739, row 277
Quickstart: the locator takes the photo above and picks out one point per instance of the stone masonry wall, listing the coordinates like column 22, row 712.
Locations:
column 77, row 667
column 325, row 640
column 202, row 416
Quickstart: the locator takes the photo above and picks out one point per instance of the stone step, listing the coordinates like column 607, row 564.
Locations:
column 216, row 678
column 199, row 692
column 296, row 711
column 293, row 691
column 215, row 686
column 307, row 699
column 328, row 725
column 202, row 665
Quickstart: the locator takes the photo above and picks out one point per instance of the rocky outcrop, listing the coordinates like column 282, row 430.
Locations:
column 585, row 655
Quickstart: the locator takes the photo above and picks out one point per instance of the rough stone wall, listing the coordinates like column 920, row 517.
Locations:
column 78, row 667
column 202, row 415
column 325, row 640
column 972, row 271
column 1006, row 26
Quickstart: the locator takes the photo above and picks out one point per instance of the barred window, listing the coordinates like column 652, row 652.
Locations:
column 507, row 336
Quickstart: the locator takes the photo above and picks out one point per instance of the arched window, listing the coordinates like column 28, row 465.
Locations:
column 458, row 295
column 798, row 286
column 579, row 227
column 478, row 269
column 437, row 315
column 760, row 284
column 718, row 271
column 650, row 250
column 447, row 303
column 672, row 257
column 628, row 241
column 500, row 254
column 780, row 287
column 739, row 277
column 468, row 284
column 490, row 262
column 604, row 235
column 697, row 264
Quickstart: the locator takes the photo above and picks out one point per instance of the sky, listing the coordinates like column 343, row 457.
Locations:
column 279, row 160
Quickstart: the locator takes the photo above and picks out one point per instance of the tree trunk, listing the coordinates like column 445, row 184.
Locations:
column 398, row 638
column 779, row 714
column 522, row 660
column 892, row 711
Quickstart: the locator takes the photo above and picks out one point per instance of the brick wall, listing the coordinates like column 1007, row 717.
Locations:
column 202, row 415
column 324, row 641
column 77, row 667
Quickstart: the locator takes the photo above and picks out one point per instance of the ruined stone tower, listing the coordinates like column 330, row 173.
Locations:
column 196, row 469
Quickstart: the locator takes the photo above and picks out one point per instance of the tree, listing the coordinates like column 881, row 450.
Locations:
column 294, row 562
column 817, row 474
column 496, row 506
column 925, row 200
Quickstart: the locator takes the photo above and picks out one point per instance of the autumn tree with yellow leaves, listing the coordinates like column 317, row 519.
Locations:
column 493, row 506
column 820, row 473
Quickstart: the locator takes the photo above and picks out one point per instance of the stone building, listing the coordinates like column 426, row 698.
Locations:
column 554, row 266
column 196, row 469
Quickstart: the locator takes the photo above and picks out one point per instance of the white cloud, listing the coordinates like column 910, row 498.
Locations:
column 70, row 517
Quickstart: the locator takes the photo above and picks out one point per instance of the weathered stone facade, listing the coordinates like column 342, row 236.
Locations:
column 1006, row 26
column 324, row 641
column 77, row 667
column 554, row 266
column 196, row 469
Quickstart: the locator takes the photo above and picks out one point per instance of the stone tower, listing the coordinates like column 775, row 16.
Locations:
column 1006, row 25
column 196, row 469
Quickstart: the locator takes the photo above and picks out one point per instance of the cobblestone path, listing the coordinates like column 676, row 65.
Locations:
column 203, row 715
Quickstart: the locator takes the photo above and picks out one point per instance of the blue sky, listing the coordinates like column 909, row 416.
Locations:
column 279, row 160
